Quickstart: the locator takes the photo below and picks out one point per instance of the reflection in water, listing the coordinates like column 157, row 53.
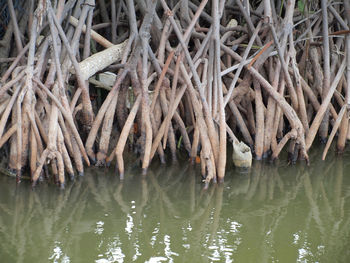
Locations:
column 58, row 255
column 271, row 213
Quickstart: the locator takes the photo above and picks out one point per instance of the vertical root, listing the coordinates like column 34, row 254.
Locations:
column 118, row 151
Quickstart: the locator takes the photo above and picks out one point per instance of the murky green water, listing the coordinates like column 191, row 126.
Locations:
column 271, row 214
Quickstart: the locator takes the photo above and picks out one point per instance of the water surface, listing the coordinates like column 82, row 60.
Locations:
column 273, row 213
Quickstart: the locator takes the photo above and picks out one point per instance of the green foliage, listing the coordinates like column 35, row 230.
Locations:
column 301, row 5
